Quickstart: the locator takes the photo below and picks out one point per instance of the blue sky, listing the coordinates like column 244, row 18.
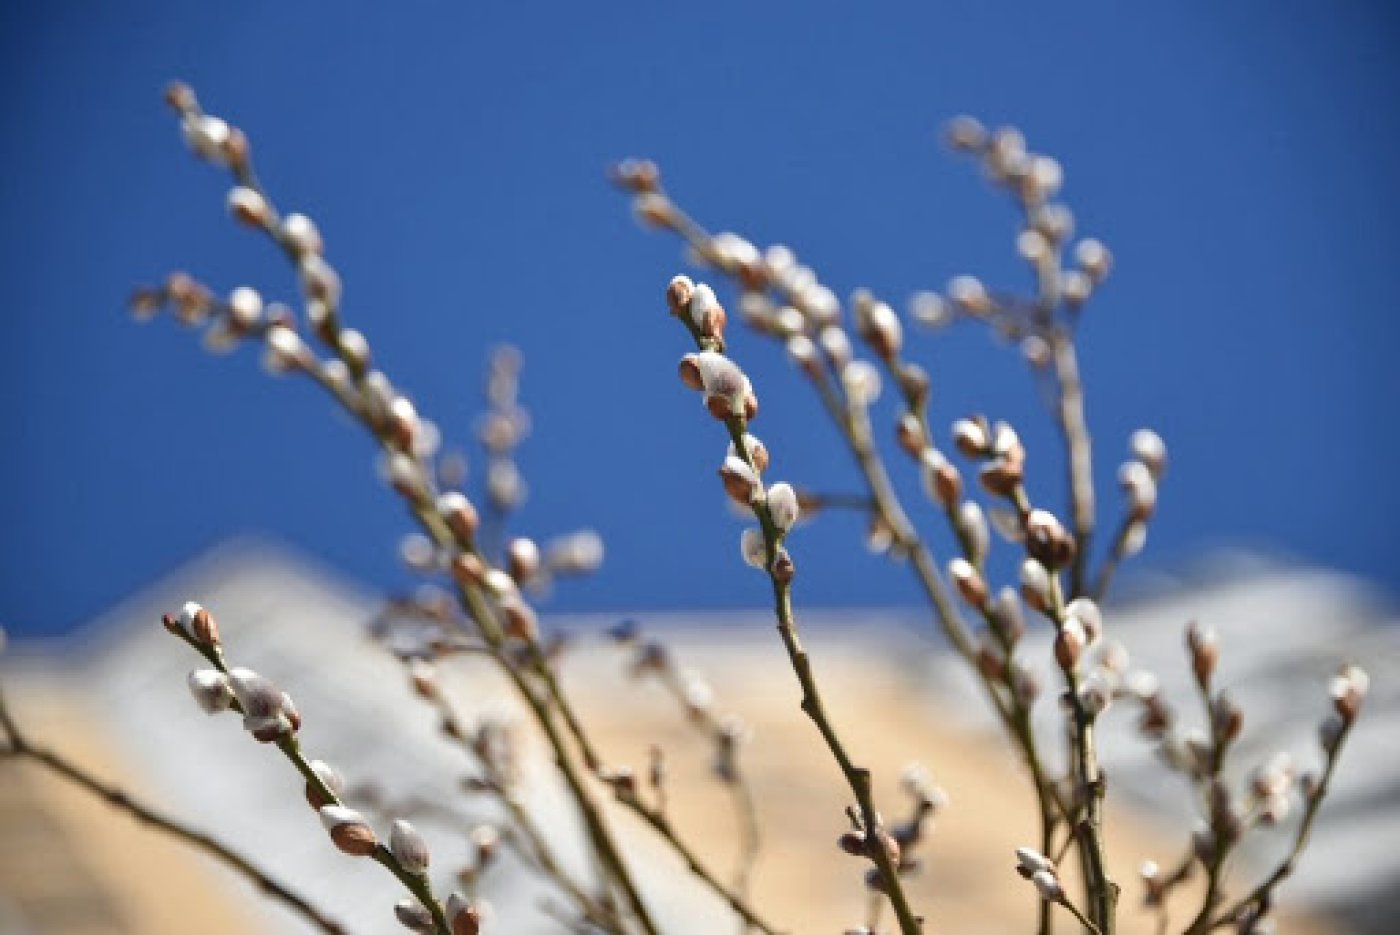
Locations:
column 1240, row 158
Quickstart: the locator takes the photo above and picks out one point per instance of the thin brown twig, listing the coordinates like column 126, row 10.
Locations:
column 21, row 746
column 1262, row 895
column 885, row 504
column 857, row 777
column 330, row 328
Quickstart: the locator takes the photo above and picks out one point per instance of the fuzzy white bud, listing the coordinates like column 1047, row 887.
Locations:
column 300, row 233
column 862, row 383
column 206, row 136
column 973, row 523
column 782, row 506
column 1147, row 446
column 248, row 206
column 930, row 310
column 754, row 549
column 1093, row 258
column 836, row 345
column 285, row 350
column 969, row 295
column 210, row 689
column 409, row 848
column 245, row 307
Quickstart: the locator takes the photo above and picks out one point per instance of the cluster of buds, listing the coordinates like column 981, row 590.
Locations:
column 1271, row 784
column 209, row 137
column 241, row 314
column 866, row 841
column 1040, row 871
column 878, row 325
column 1033, row 180
column 1348, row 689
column 576, row 553
column 698, row 307
column 927, row 800
column 268, row 712
column 502, row 429
column 1048, row 541
column 1139, row 477
column 727, row 393
column 494, row 741
column 999, row 447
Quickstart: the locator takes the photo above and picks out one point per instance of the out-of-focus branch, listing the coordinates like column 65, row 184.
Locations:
column 22, row 747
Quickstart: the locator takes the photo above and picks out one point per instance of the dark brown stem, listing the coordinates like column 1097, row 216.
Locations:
column 22, row 747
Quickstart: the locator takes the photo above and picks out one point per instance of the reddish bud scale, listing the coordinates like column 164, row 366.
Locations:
column 1050, row 544
column 690, row 373
column 356, row 840
column 678, row 295
column 637, row 175
column 947, row 484
column 910, row 434
column 520, row 620
column 468, row 569
column 990, row 663
column 205, row 627
column 1069, row 644
column 713, row 321
column 784, row 570
column 180, row 97
column 737, row 484
column 1003, row 476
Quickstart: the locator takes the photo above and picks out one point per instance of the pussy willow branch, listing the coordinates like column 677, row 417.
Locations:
column 1117, row 552
column 1262, row 895
column 541, row 854
column 887, row 506
column 1069, row 407
column 474, row 603
column 1103, row 892
column 857, row 777
column 1221, row 844
column 290, row 747
column 740, row 791
column 20, row 746
column 1018, row 717
column 871, row 465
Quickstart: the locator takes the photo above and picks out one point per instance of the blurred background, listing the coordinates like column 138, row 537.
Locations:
column 1237, row 159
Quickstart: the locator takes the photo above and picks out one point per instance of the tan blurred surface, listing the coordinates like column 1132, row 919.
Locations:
column 70, row 865
column 73, row 865
column 967, row 884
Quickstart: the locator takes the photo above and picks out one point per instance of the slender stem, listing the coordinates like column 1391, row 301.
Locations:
column 1117, row 551
column 740, row 792
column 290, row 747
column 1103, row 892
column 1083, row 920
column 857, row 777
column 540, row 851
column 1262, row 893
column 886, row 505
column 1074, row 428
column 329, row 328
column 662, row 825
column 21, row 746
